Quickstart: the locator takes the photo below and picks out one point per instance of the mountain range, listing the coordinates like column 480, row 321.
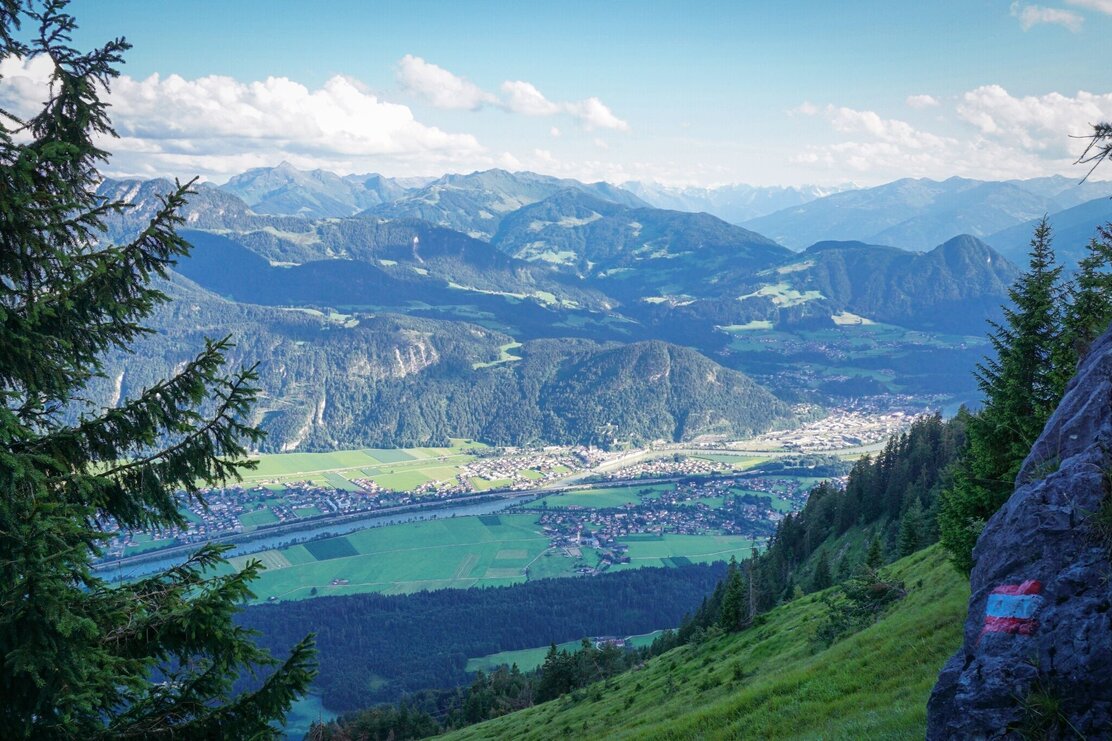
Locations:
column 917, row 214
column 522, row 309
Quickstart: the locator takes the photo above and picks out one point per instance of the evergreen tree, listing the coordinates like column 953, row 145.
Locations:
column 874, row 559
column 911, row 525
column 1089, row 308
column 822, row 578
column 733, row 598
column 1021, row 388
column 155, row 658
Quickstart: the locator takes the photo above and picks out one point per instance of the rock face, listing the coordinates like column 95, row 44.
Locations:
column 1037, row 655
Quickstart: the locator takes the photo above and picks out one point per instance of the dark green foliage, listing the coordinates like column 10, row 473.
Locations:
column 822, row 578
column 912, row 527
column 733, row 610
column 155, row 658
column 383, row 723
column 1037, row 348
column 874, row 559
column 505, row 690
column 380, row 648
column 856, row 603
column 1089, row 311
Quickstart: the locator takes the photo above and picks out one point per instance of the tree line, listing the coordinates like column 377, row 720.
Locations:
column 377, row 648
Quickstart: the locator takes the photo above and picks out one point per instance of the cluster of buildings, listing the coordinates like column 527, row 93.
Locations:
column 548, row 464
column 670, row 466
column 746, row 508
column 842, row 428
column 223, row 510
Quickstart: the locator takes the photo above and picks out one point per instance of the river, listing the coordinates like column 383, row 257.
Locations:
column 131, row 570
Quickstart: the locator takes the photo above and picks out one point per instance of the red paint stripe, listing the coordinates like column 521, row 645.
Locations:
column 1031, row 586
column 1020, row 626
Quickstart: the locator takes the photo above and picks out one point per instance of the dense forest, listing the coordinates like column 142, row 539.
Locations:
column 390, row 380
column 375, row 648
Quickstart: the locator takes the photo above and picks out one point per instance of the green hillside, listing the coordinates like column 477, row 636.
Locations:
column 773, row 681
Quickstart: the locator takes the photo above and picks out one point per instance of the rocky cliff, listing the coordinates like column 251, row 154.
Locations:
column 1036, row 661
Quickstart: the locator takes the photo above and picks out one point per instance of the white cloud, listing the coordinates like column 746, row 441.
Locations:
column 524, row 98
column 555, row 132
column 892, row 131
column 806, row 108
column 1102, row 6
column 1033, row 15
column 440, row 87
column 215, row 125
column 922, row 101
column 594, row 114
column 444, row 89
column 24, row 84
column 1041, row 123
column 988, row 134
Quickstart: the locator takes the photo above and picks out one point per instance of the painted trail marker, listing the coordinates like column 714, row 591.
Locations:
column 1011, row 608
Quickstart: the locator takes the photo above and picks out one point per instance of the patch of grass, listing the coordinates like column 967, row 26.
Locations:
column 324, row 550
column 456, row 552
column 768, row 682
column 694, row 548
column 600, row 498
column 258, row 517
column 400, row 480
column 388, row 456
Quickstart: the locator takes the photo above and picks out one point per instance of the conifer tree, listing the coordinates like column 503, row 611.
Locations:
column 733, row 598
column 911, row 524
column 80, row 658
column 822, row 577
column 874, row 559
column 1021, row 388
column 1088, row 310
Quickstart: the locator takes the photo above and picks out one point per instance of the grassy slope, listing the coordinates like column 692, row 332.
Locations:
column 871, row 685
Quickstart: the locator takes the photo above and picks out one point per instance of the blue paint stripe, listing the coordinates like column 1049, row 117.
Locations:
column 1013, row 605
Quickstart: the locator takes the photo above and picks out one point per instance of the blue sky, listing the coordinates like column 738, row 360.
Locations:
column 685, row 92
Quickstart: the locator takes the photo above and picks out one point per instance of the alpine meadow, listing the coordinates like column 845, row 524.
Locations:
column 382, row 371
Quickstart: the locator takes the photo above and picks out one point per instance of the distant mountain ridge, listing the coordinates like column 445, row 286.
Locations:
column 735, row 203
column 961, row 280
column 476, row 203
column 673, row 252
column 1072, row 229
column 920, row 213
column 285, row 190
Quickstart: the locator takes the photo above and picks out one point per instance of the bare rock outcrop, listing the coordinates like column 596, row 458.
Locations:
column 1037, row 653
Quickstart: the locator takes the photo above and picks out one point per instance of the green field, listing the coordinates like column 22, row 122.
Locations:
column 530, row 658
column 504, row 356
column 778, row 503
column 656, row 551
column 403, row 468
column 400, row 480
column 600, row 498
column 454, row 552
column 737, row 462
column 258, row 517
column 142, row 542
column 772, row 681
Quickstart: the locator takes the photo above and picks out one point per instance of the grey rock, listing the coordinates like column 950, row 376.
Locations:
column 1055, row 641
